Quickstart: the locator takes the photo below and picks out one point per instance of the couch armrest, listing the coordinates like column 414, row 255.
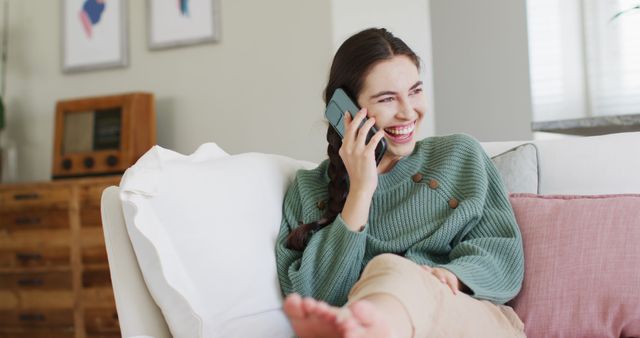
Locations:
column 138, row 314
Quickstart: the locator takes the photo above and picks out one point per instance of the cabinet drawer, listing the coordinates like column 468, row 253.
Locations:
column 92, row 237
column 36, row 280
column 91, row 194
column 19, row 300
column 94, row 255
column 101, row 321
column 90, row 217
column 36, row 219
column 41, row 198
column 36, row 333
column 33, row 258
column 96, row 278
column 28, row 239
column 103, row 335
column 13, row 319
column 98, row 297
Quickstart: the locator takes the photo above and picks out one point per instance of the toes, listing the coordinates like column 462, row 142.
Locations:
column 364, row 312
column 309, row 305
column 348, row 325
column 350, row 328
column 293, row 306
column 326, row 312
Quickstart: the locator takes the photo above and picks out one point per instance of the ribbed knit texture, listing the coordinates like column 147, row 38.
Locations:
column 479, row 240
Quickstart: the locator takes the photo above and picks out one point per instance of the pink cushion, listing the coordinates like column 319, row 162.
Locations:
column 582, row 265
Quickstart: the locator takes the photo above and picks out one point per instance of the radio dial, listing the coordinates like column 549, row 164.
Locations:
column 88, row 162
column 112, row 160
column 67, row 164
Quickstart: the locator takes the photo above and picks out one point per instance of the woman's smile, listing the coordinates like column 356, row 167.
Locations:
column 400, row 134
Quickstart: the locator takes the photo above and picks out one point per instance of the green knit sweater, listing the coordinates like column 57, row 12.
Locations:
column 477, row 239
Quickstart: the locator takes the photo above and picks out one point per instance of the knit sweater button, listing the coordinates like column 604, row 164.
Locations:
column 433, row 184
column 417, row 177
column 453, row 203
column 321, row 205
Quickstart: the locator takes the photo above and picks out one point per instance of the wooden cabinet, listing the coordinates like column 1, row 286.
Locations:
column 54, row 274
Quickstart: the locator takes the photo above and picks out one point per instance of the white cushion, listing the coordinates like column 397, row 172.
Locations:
column 606, row 164
column 203, row 228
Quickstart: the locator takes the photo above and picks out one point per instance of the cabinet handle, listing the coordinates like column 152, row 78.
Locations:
column 31, row 282
column 26, row 196
column 25, row 220
column 28, row 256
column 32, row 317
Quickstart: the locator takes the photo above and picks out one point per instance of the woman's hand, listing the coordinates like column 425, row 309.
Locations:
column 446, row 277
column 359, row 158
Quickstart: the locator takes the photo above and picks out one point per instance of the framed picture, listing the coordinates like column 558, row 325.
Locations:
column 174, row 23
column 93, row 34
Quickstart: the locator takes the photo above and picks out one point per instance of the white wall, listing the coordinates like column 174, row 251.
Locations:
column 407, row 19
column 259, row 89
column 481, row 68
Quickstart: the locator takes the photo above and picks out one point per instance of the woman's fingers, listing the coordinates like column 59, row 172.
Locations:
column 362, row 132
column 375, row 139
column 453, row 284
column 446, row 277
column 356, row 138
column 352, row 124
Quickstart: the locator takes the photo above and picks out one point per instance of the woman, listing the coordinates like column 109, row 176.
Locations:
column 425, row 244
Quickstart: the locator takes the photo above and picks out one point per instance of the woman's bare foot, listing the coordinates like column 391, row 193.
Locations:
column 365, row 321
column 311, row 318
column 315, row 319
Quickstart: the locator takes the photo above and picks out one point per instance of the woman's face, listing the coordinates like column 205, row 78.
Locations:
column 393, row 95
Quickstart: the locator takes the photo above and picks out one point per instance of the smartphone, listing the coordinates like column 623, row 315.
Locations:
column 341, row 102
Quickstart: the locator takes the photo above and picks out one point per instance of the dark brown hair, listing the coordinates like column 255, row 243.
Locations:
column 354, row 59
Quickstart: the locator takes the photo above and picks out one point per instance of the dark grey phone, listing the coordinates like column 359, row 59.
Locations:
column 341, row 102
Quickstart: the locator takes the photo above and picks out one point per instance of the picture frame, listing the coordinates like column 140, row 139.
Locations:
column 94, row 34
column 179, row 23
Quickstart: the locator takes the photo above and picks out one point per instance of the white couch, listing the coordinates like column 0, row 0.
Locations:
column 608, row 164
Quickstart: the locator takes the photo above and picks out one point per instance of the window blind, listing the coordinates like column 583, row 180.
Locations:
column 582, row 63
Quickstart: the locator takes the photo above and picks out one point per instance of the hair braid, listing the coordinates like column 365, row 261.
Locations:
column 338, row 189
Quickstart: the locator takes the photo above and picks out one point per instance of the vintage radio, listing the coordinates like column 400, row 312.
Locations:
column 102, row 135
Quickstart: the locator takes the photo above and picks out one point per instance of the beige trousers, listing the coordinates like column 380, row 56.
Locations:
column 433, row 309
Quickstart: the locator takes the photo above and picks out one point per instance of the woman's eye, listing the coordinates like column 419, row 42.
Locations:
column 416, row 91
column 386, row 99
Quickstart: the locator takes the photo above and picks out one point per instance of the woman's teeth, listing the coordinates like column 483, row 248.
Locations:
column 401, row 131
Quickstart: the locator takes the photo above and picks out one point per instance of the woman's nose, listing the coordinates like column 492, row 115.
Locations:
column 407, row 110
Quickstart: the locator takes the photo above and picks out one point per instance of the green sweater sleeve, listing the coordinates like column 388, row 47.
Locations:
column 328, row 266
column 487, row 254
column 489, row 258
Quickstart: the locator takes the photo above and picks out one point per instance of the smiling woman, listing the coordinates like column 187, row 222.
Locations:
column 394, row 97
column 378, row 250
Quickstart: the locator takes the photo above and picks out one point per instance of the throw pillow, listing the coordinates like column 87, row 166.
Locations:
column 203, row 228
column 581, row 265
column 518, row 168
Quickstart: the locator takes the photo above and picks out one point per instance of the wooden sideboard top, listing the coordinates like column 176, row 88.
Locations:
column 114, row 179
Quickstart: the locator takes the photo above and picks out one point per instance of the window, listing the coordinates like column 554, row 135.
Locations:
column 582, row 62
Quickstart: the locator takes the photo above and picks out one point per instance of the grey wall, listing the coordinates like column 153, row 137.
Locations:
column 259, row 89
column 481, row 68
